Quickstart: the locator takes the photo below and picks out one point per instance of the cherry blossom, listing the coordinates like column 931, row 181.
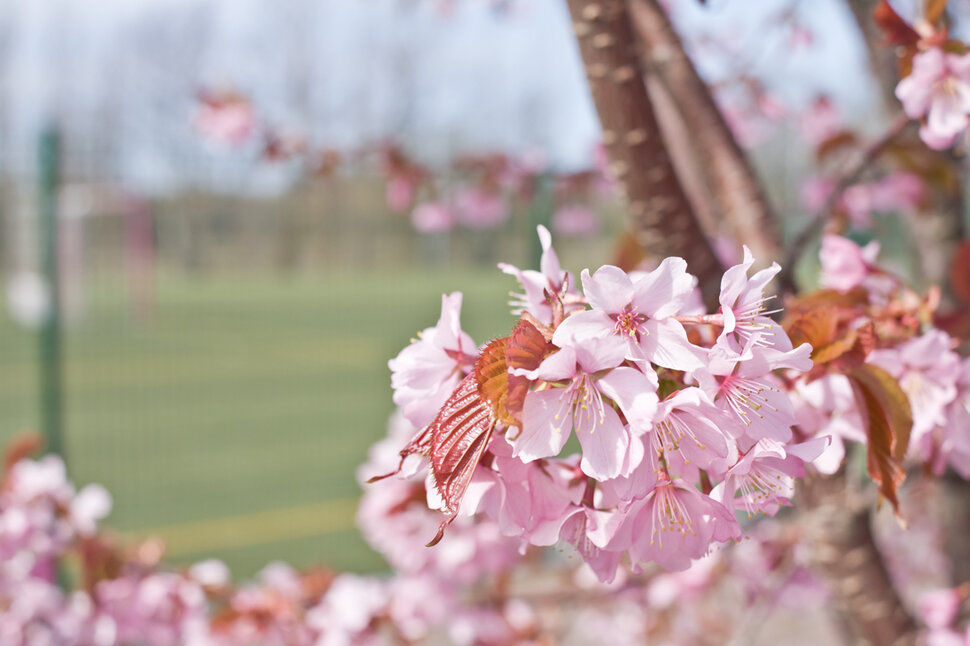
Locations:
column 432, row 217
column 575, row 220
column 846, row 265
column 585, row 404
column 673, row 524
column 424, row 373
column 640, row 311
column 938, row 89
column 538, row 286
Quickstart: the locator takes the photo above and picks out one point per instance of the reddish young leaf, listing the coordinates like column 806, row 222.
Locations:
column 888, row 420
column 420, row 444
column 849, row 352
column 459, row 436
column 21, row 447
column 493, row 378
column 960, row 272
column 897, row 31
column 817, row 327
column 829, row 352
column 527, row 348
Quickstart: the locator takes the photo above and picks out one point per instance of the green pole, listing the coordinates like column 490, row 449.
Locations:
column 50, row 331
column 540, row 212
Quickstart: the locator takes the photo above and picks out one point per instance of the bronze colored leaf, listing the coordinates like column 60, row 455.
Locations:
column 888, row 420
column 459, row 436
column 527, row 348
column 817, row 327
column 831, row 351
column 493, row 378
column 960, row 272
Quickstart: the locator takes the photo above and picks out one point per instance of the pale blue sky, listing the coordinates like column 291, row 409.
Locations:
column 121, row 75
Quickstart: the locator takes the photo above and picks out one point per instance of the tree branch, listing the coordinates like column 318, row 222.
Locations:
column 882, row 59
column 738, row 194
column 661, row 217
column 845, row 553
column 849, row 176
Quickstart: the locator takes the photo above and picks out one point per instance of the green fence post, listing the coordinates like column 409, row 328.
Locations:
column 50, row 332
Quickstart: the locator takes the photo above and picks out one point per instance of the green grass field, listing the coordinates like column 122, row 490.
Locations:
column 232, row 424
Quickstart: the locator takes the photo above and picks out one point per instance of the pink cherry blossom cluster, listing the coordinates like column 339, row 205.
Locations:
column 225, row 118
column 107, row 596
column 483, row 592
column 483, row 192
column 498, row 590
column 681, row 417
column 935, row 379
column 937, row 91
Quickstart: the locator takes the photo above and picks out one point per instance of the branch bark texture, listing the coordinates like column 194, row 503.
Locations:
column 844, row 551
column 739, row 198
column 661, row 217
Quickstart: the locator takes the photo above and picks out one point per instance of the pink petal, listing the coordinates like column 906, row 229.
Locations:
column 663, row 291
column 809, row 450
column 543, row 435
column 549, row 263
column 609, row 289
column 915, row 95
column 946, row 117
column 666, row 344
column 635, row 393
column 583, row 325
column 605, row 443
column 735, row 279
column 601, row 526
column 603, row 353
column 557, row 366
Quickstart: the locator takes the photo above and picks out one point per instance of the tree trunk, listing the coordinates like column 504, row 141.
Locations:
column 844, row 552
column 739, row 199
column 660, row 215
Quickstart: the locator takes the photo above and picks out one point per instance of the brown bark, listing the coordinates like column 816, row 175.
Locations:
column 882, row 58
column 845, row 553
column 686, row 156
column 661, row 217
column 738, row 194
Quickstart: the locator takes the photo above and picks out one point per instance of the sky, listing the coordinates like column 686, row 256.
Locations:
column 121, row 76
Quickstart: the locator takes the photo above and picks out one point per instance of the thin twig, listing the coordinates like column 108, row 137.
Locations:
column 848, row 177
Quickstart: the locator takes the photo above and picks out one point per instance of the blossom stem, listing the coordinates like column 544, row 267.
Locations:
column 706, row 319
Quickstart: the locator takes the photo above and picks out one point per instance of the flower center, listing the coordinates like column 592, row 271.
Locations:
column 628, row 322
column 762, row 486
column 583, row 403
column 669, row 514
column 745, row 397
